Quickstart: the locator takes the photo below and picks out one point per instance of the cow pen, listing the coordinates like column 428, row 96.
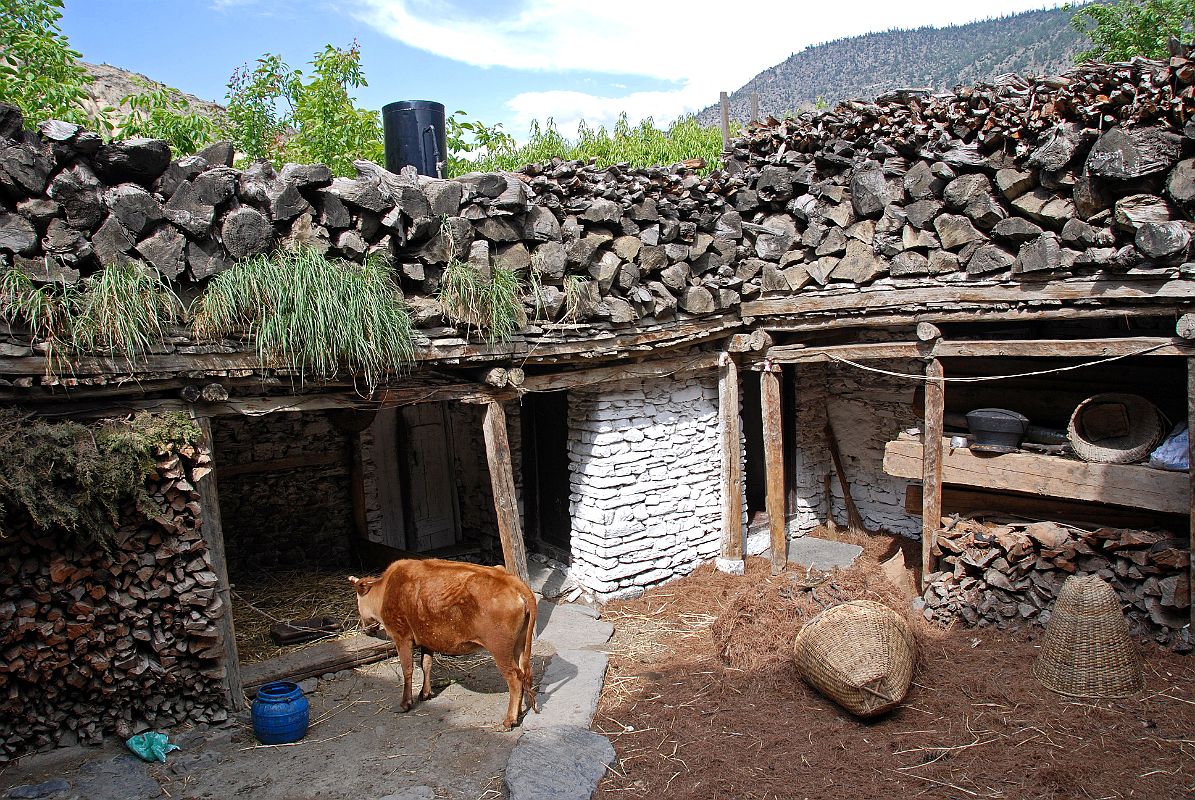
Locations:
column 707, row 371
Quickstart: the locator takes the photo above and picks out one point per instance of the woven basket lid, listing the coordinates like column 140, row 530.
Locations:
column 1087, row 651
column 1115, row 428
column 860, row 654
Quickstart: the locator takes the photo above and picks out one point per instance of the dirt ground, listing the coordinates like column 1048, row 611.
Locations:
column 702, row 701
column 359, row 744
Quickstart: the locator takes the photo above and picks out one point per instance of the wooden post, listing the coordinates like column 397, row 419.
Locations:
column 773, row 456
column 213, row 537
column 755, row 107
column 1191, row 473
column 730, row 425
column 724, row 102
column 931, row 464
column 502, row 481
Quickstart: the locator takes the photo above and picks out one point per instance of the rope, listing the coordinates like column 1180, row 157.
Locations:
column 916, row 376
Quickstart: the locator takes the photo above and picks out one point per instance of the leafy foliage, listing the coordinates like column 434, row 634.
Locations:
column 278, row 114
column 491, row 304
column 39, row 72
column 157, row 112
column 641, row 145
column 122, row 310
column 1128, row 28
column 312, row 314
column 75, row 478
column 474, row 137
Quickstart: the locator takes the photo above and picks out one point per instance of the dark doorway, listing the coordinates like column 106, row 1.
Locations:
column 545, row 467
column 752, row 416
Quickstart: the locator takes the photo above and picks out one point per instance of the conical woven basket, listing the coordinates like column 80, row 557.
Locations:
column 859, row 654
column 1087, row 651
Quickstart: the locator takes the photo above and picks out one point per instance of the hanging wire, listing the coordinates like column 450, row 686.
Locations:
column 916, row 376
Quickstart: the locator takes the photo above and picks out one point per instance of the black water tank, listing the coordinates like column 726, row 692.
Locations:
column 414, row 132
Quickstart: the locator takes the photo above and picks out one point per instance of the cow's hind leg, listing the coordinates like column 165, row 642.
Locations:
column 426, row 692
column 406, row 657
column 522, row 657
column 508, row 665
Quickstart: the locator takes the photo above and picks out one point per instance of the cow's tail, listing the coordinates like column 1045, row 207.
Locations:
column 531, row 611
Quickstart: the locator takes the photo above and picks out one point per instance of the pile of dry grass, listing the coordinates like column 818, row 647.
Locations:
column 264, row 598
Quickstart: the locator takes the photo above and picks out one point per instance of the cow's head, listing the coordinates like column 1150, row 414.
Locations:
column 369, row 603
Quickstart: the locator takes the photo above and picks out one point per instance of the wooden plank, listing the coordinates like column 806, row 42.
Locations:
column 731, row 427
column 318, row 659
column 724, row 103
column 773, row 456
column 1129, row 485
column 502, row 481
column 887, row 298
column 600, row 375
column 991, row 348
column 979, row 314
column 213, row 537
column 1191, row 482
column 282, row 464
column 964, row 500
column 931, row 468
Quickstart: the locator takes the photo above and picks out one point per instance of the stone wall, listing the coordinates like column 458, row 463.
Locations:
column 301, row 516
column 646, row 482
column 866, row 411
column 1025, row 180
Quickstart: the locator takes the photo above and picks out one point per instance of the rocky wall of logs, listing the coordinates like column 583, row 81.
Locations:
column 1008, row 574
column 96, row 642
column 1023, row 179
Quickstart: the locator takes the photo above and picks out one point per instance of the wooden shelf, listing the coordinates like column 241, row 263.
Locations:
column 1129, row 485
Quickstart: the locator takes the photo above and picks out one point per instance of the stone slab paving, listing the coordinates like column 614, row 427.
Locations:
column 822, row 554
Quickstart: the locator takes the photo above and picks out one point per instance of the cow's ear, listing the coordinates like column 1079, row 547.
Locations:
column 353, row 579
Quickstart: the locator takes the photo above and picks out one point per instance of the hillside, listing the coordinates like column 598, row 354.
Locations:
column 862, row 67
column 110, row 84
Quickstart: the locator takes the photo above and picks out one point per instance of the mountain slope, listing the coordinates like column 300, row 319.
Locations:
column 862, row 67
column 109, row 85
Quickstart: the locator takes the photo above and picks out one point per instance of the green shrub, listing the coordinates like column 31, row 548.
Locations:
column 39, row 72
column 315, row 315
column 157, row 112
column 1124, row 29
column 76, row 478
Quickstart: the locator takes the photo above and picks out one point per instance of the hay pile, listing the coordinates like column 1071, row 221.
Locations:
column 260, row 599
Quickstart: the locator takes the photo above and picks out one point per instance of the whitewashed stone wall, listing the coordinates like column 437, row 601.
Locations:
column 867, row 410
column 645, row 482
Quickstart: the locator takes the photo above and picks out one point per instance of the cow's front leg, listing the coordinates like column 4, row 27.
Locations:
column 406, row 657
column 426, row 692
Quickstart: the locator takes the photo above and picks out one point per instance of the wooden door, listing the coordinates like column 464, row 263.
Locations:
column 431, row 501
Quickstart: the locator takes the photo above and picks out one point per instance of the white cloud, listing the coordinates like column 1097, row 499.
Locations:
column 702, row 46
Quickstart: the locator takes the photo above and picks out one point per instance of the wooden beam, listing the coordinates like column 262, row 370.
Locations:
column 1130, row 485
column 964, row 500
column 319, row 659
column 773, row 455
column 213, row 537
column 806, row 324
column 724, row 104
column 1191, row 481
column 502, row 481
column 730, row 426
column 887, row 298
column 931, row 465
column 644, row 369
column 982, row 348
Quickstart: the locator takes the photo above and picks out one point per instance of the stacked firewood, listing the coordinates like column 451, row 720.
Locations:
column 97, row 640
column 1009, row 573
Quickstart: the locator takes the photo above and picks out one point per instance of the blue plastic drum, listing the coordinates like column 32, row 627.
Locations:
column 280, row 713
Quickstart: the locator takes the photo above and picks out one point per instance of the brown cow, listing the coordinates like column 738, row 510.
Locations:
column 454, row 608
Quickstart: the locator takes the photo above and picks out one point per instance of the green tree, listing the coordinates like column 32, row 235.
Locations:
column 161, row 113
column 39, row 72
column 474, row 137
column 1127, row 28
column 276, row 112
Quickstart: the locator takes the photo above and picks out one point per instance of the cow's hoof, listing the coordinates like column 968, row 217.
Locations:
column 425, row 695
column 405, row 706
column 504, row 727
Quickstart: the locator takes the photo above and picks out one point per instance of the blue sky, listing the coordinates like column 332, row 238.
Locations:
column 501, row 60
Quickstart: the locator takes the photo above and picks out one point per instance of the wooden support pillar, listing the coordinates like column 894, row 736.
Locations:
column 754, row 107
column 1191, row 473
column 502, row 481
column 213, row 537
column 730, row 426
column 724, row 104
column 773, row 456
column 931, row 464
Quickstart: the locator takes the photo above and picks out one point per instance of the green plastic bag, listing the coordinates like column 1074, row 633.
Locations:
column 151, row 746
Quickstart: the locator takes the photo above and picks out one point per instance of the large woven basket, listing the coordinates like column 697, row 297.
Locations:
column 859, row 654
column 1087, row 651
column 1115, row 428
